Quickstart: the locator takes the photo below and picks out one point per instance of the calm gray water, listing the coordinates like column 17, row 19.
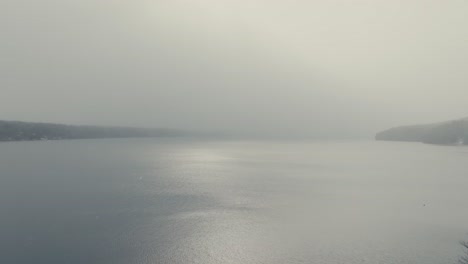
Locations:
column 165, row 201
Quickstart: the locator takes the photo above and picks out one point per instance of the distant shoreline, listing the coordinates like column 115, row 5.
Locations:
column 11, row 131
column 453, row 133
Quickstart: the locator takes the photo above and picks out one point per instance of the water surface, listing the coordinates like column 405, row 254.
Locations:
column 183, row 201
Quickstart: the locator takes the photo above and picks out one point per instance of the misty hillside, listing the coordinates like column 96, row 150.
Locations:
column 24, row 131
column 450, row 132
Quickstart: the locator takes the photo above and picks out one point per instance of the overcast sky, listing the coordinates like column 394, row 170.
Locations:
column 300, row 67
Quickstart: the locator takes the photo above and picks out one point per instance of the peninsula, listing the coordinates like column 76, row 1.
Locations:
column 454, row 132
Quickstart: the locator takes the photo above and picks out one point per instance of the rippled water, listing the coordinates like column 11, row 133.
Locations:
column 165, row 201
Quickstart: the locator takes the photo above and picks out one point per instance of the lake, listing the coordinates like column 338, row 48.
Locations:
column 144, row 201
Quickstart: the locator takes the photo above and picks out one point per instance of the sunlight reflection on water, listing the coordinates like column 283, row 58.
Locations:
column 156, row 201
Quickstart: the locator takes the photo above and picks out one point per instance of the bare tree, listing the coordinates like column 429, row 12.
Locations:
column 464, row 259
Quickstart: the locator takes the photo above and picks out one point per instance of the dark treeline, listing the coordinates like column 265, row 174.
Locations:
column 447, row 133
column 24, row 131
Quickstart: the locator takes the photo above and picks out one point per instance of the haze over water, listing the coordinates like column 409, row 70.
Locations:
column 185, row 201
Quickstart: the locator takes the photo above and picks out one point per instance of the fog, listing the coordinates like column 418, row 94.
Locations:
column 300, row 68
